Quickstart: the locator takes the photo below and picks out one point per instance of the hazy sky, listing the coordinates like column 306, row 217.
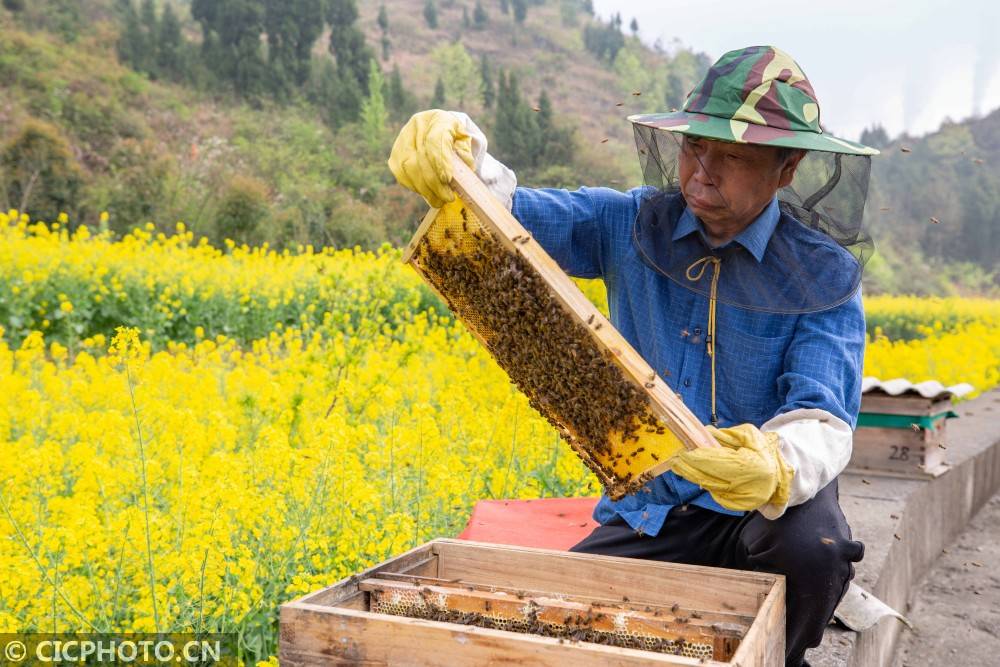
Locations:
column 906, row 64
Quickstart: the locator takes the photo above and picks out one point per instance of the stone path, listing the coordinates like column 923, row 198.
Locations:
column 956, row 609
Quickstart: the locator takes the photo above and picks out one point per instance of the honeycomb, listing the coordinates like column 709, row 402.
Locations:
column 434, row 606
column 553, row 358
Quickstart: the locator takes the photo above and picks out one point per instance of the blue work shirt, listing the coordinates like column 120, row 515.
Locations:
column 766, row 363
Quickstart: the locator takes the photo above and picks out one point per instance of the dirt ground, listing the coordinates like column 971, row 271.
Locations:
column 956, row 609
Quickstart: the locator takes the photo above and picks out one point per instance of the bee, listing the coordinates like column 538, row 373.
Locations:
column 590, row 320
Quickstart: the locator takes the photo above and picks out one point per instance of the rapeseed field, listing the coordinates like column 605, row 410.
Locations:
column 191, row 436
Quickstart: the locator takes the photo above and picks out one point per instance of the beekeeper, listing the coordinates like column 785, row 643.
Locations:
column 735, row 271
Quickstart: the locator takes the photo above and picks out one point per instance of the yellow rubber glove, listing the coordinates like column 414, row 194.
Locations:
column 745, row 474
column 421, row 155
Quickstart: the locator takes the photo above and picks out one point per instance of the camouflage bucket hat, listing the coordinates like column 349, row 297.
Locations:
column 756, row 95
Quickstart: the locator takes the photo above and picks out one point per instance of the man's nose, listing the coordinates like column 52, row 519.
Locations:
column 703, row 171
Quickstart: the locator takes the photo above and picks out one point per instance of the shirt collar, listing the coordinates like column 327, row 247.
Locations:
column 754, row 238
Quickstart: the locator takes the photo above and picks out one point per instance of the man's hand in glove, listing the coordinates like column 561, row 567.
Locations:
column 421, row 155
column 746, row 473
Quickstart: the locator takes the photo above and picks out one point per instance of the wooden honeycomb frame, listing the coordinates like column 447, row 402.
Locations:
column 617, row 465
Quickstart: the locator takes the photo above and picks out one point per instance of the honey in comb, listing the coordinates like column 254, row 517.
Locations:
column 549, row 356
column 436, row 608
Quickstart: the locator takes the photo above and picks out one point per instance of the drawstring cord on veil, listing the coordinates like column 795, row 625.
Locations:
column 700, row 265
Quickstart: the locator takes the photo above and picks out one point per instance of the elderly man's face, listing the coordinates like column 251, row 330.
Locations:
column 727, row 185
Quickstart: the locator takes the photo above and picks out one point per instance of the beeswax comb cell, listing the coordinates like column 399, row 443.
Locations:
column 577, row 370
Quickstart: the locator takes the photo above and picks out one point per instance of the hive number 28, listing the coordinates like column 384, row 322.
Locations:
column 900, row 453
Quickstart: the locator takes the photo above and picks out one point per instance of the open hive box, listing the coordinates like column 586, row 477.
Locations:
column 453, row 602
column 574, row 367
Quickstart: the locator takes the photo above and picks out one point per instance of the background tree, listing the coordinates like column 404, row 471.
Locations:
column 431, row 14
column 292, row 27
column 41, row 175
column 336, row 93
column 604, row 40
column 479, row 16
column 347, row 42
column 458, row 72
column 243, row 208
column 231, row 42
column 402, row 103
column 147, row 16
column 486, row 87
column 170, row 45
column 875, row 136
column 133, row 46
column 634, row 27
column 373, row 111
column 520, row 10
column 676, row 92
column 438, row 100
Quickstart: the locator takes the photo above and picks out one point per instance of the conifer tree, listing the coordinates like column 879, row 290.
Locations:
column 132, row 44
column 373, row 112
column 486, row 87
column 437, row 102
column 347, row 42
column 292, row 26
column 479, row 16
column 520, row 10
column 430, row 14
column 170, row 45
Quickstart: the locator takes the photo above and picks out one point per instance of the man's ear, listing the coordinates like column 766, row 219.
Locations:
column 789, row 167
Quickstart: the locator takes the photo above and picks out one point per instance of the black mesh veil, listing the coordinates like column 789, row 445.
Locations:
column 814, row 258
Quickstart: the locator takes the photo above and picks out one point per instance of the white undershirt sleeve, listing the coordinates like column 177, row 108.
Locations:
column 817, row 445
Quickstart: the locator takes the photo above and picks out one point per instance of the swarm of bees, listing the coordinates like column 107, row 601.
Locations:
column 550, row 356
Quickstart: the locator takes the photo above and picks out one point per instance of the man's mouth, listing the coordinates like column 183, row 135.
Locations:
column 698, row 202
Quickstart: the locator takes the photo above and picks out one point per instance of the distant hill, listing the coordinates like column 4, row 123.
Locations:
column 934, row 207
column 169, row 138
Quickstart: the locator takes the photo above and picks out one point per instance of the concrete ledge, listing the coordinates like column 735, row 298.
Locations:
column 905, row 524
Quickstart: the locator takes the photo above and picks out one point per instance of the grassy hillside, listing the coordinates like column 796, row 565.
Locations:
column 258, row 170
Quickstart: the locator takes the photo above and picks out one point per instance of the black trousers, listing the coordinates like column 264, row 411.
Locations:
column 810, row 544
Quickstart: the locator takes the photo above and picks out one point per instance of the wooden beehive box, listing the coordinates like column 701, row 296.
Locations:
column 902, row 428
column 739, row 616
column 574, row 367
